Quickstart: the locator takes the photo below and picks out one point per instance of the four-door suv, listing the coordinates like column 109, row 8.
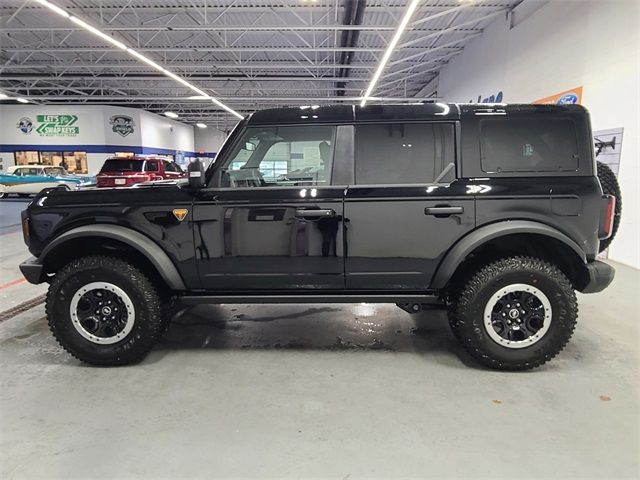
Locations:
column 127, row 171
column 492, row 211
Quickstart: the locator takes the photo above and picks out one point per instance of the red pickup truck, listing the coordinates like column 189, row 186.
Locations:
column 127, row 171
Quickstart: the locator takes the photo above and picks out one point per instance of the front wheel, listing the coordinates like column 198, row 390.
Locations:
column 104, row 311
column 515, row 314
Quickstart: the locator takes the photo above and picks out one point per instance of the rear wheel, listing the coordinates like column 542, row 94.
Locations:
column 610, row 186
column 515, row 314
column 104, row 311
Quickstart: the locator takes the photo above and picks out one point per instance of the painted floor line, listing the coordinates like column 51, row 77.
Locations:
column 17, row 281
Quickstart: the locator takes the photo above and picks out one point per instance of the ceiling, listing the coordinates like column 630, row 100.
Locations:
column 248, row 54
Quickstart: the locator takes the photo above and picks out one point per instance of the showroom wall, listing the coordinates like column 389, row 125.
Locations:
column 588, row 44
column 99, row 131
column 208, row 142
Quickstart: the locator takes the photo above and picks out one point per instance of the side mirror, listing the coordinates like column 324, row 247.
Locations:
column 195, row 172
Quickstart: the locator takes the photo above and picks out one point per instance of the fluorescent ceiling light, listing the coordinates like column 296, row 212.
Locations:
column 201, row 94
column 144, row 59
column 392, row 45
column 201, row 125
column 98, row 33
column 171, row 114
column 22, row 100
column 54, row 8
column 199, row 97
column 3, row 95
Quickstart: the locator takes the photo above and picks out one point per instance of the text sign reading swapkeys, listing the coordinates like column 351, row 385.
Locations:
column 57, row 125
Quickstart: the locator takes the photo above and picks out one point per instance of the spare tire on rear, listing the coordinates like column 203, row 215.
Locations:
column 610, row 186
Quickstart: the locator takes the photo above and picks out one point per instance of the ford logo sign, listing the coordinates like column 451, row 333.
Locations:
column 568, row 98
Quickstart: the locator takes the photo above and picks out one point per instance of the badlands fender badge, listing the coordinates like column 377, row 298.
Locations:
column 180, row 213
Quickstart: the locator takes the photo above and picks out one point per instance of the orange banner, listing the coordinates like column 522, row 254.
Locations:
column 568, row 96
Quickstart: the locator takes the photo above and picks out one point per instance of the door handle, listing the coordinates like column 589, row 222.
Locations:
column 320, row 213
column 443, row 211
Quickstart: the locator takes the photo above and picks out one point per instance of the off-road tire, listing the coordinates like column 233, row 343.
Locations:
column 467, row 310
column 148, row 323
column 610, row 186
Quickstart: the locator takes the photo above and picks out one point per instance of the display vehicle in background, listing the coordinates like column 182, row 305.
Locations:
column 25, row 180
column 494, row 212
column 128, row 171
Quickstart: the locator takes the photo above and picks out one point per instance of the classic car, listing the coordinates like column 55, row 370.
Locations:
column 25, row 180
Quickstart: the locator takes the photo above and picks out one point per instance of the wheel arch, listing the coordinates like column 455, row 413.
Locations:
column 153, row 255
column 505, row 238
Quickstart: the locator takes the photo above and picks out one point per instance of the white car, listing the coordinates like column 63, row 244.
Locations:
column 24, row 180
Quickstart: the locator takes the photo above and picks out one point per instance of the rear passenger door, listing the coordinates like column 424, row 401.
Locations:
column 399, row 224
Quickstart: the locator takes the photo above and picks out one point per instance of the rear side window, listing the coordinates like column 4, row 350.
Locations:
column 117, row 165
column 403, row 153
column 152, row 166
column 528, row 145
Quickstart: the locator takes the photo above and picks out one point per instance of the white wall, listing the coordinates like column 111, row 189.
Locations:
column 162, row 132
column 208, row 140
column 563, row 45
column 152, row 133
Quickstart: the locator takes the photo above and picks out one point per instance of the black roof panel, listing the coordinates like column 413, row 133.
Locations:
column 402, row 112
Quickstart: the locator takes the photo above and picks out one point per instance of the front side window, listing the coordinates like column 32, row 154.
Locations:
column 280, row 157
column 403, row 153
column 528, row 145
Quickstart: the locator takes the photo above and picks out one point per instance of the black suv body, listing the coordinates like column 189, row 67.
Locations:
column 439, row 204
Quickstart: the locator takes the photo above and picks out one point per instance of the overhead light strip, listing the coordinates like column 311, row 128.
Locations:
column 387, row 54
column 136, row 54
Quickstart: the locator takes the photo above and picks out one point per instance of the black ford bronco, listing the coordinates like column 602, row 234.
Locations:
column 495, row 212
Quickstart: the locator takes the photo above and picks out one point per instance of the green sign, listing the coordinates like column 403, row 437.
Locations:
column 57, row 125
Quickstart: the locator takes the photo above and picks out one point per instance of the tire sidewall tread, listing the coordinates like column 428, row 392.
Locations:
column 144, row 295
column 466, row 314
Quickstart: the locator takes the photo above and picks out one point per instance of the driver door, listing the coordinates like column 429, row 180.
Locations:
column 275, row 220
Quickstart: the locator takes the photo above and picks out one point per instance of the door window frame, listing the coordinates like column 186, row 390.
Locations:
column 343, row 144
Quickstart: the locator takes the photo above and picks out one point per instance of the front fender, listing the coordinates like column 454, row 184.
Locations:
column 143, row 244
column 473, row 240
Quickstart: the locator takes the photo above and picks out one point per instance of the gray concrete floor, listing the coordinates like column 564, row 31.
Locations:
column 315, row 391
column 14, row 289
column 323, row 391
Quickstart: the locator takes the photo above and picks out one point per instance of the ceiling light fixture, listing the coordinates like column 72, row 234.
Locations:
column 138, row 55
column 201, row 125
column 22, row 100
column 392, row 45
column 98, row 33
column 171, row 114
column 3, row 95
column 54, row 8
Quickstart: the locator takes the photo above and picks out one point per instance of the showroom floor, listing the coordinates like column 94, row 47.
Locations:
column 325, row 391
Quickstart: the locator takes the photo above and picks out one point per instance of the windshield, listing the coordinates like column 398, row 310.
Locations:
column 124, row 165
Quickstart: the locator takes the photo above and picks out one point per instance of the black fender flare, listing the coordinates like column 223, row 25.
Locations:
column 143, row 244
column 476, row 238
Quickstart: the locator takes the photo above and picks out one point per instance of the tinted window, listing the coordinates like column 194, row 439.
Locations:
column 168, row 167
column 152, row 166
column 396, row 153
column 54, row 171
column 117, row 165
column 528, row 145
column 281, row 156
